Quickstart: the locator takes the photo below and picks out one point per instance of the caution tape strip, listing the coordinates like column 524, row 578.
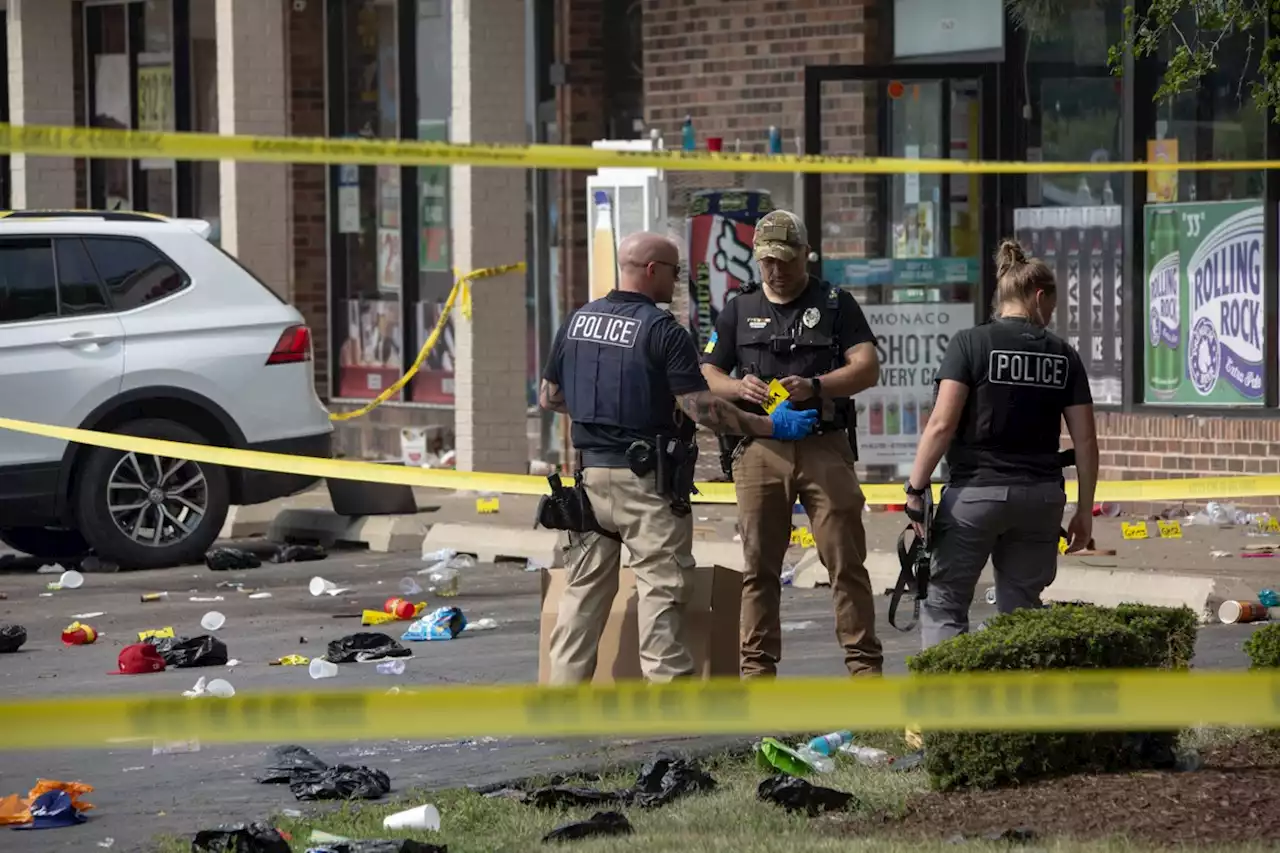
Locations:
column 1115, row 491
column 137, row 144
column 1009, row 701
column 461, row 290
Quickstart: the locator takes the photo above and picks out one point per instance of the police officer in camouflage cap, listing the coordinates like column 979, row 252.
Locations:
column 813, row 339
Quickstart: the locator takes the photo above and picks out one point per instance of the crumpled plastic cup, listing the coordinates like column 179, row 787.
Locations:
column 212, row 621
column 220, row 689
column 319, row 668
column 71, row 579
column 421, row 817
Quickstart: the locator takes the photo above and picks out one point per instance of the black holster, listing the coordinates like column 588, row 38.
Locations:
column 914, row 565
column 679, row 458
column 569, row 509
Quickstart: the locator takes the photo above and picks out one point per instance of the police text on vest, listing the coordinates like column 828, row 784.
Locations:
column 608, row 329
column 1029, row 369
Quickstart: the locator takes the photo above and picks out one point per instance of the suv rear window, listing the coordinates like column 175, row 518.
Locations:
column 135, row 273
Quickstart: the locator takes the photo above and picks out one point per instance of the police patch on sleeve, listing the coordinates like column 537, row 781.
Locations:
column 1028, row 369
column 607, row 329
column 711, row 343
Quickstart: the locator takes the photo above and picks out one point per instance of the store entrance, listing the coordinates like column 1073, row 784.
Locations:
column 914, row 248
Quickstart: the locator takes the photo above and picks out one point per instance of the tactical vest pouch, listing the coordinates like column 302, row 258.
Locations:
column 569, row 509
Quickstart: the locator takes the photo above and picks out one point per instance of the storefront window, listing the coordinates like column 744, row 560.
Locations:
column 1073, row 221
column 1203, row 297
column 434, row 383
column 367, row 286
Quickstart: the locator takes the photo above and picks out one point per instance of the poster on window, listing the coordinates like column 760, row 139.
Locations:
column 434, row 382
column 155, row 104
column 371, row 358
column 1084, row 247
column 1203, row 304
column 720, row 229
column 911, row 341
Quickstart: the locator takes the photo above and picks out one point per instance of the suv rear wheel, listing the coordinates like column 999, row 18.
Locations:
column 45, row 543
column 146, row 512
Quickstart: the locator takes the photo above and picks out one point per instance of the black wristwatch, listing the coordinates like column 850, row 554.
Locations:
column 817, row 386
column 912, row 491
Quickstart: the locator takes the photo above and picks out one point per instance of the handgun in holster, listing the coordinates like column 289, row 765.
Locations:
column 913, row 562
column 569, row 509
column 672, row 461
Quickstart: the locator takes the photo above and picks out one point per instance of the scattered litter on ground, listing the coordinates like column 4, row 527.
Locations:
column 788, row 627
column 868, row 756
column 391, row 667
column 1217, row 555
column 341, row 782
column 425, row 816
column 185, row 653
column 290, row 660
column 139, row 659
column 257, row 595
column 409, row 586
column 321, row 668
column 230, row 559
column 364, row 647
column 71, row 579
column 319, row 586
column 1269, row 598
column 298, row 554
column 49, row 569
column 485, row 624
column 175, row 747
column 11, row 638
column 599, row 824
column 79, row 634
column 53, row 810
column 444, row 623
column 240, row 838
column 772, row 754
column 213, row 620
column 797, row 795
column 94, row 615
column 666, row 779
column 380, row 845
column 166, row 631
column 217, row 689
column 107, row 842
column 1019, row 835
column 206, row 599
column 907, row 762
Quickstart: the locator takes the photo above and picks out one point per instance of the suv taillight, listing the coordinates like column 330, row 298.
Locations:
column 294, row 346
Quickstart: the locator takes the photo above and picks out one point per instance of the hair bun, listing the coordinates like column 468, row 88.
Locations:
column 1009, row 255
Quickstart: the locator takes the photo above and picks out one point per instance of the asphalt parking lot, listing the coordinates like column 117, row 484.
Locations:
column 139, row 795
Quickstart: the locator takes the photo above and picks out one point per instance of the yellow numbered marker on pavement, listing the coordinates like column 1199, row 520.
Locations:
column 1134, row 529
column 1170, row 529
column 486, row 506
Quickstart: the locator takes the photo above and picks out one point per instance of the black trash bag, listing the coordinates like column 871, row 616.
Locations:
column 298, row 554
column 380, row 845
column 11, row 638
column 288, row 760
column 599, row 824
column 797, row 795
column 187, row 652
column 666, row 779
column 340, row 782
column 556, row 797
column 370, row 644
column 230, row 559
column 240, row 838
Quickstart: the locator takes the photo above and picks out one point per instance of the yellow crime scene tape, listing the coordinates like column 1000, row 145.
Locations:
column 1111, row 491
column 1010, row 701
column 131, row 144
column 461, row 292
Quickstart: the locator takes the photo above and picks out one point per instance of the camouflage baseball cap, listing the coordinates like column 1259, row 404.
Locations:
column 780, row 234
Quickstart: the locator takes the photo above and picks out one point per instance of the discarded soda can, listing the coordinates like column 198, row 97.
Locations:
column 154, row 596
column 79, row 634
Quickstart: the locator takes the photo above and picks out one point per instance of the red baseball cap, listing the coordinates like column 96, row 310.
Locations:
column 139, row 659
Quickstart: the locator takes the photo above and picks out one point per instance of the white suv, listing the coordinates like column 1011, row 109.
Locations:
column 138, row 325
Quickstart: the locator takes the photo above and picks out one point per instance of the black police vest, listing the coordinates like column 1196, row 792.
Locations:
column 802, row 349
column 1012, row 419
column 609, row 377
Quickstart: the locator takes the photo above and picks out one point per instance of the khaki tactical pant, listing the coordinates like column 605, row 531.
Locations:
column 769, row 476
column 661, row 547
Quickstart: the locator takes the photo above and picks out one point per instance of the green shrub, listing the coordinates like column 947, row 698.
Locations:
column 1263, row 648
column 1075, row 636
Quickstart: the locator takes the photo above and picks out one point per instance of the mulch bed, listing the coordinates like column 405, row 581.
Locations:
column 1234, row 799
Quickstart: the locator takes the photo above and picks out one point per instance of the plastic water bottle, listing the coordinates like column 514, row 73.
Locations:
column 688, row 139
column 865, row 755
column 828, row 744
column 817, row 761
column 391, row 667
column 775, row 140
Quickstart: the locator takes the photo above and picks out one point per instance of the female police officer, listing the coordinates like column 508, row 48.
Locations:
column 1002, row 392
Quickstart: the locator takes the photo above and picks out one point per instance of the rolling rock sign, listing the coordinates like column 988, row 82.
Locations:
column 1204, row 304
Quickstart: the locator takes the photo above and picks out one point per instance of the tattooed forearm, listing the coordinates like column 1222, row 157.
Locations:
column 720, row 415
column 551, row 398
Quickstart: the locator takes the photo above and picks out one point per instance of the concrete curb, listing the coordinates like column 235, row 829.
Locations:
column 381, row 533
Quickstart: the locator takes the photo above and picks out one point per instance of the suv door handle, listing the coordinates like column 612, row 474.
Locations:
column 80, row 339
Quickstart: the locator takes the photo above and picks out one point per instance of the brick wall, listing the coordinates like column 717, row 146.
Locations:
column 309, row 213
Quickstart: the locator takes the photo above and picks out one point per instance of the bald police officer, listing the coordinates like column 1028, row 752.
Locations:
column 627, row 375
column 1002, row 393
column 814, row 339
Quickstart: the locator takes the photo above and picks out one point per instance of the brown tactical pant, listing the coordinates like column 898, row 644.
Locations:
column 661, row 546
column 768, row 476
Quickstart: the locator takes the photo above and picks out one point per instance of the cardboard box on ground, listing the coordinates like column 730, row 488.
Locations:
column 712, row 627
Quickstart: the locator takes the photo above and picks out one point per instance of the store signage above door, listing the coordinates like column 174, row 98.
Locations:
column 900, row 272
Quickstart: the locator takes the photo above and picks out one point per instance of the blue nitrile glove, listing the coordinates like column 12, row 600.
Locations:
column 790, row 425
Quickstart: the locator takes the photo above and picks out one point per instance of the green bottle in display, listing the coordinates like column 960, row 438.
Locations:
column 1164, row 306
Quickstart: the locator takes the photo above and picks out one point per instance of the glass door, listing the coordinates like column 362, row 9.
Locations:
column 913, row 248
